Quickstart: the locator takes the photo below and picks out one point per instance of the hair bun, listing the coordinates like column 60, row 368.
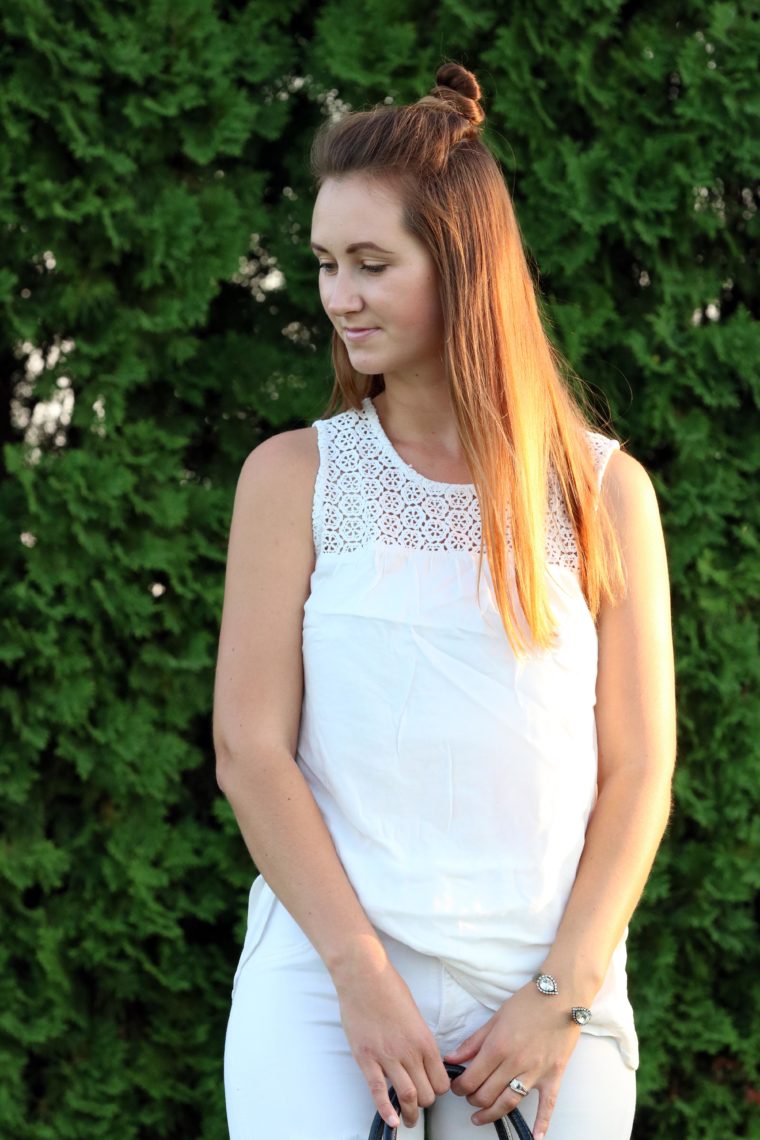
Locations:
column 459, row 79
column 459, row 88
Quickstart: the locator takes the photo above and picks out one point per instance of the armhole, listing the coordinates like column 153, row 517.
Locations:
column 610, row 445
column 318, row 501
column 602, row 447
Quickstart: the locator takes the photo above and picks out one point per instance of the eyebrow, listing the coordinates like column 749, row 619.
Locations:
column 353, row 248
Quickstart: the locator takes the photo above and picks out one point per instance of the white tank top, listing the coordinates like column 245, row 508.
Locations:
column 456, row 781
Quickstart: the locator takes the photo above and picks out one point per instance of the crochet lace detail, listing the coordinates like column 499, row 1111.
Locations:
column 365, row 492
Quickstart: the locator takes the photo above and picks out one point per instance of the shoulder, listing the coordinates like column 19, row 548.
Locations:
column 625, row 485
column 282, row 467
column 283, row 456
column 630, row 500
column 629, row 494
column 275, row 488
column 295, row 454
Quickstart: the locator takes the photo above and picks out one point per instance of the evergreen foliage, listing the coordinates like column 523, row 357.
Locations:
column 159, row 318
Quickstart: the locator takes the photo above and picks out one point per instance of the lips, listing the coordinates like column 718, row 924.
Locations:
column 354, row 334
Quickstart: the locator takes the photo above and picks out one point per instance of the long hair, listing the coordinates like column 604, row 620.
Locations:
column 516, row 414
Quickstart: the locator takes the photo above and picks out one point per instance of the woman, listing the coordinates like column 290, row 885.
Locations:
column 483, row 745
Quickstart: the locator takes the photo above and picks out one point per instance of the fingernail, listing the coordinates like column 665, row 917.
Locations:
column 393, row 1121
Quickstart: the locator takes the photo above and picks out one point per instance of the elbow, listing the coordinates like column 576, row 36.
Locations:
column 227, row 750
column 662, row 794
column 222, row 769
column 225, row 764
column 246, row 762
column 232, row 776
column 650, row 787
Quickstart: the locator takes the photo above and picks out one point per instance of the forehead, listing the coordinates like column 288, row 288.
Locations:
column 357, row 209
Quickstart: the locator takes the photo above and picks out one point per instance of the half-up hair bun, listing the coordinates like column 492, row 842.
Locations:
column 457, row 87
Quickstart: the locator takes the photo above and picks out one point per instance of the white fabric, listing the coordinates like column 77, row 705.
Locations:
column 456, row 781
column 289, row 1073
column 365, row 492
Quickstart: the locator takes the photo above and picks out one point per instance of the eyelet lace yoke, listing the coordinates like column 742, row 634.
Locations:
column 365, row 492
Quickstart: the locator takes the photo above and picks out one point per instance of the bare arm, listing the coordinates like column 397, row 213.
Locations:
column 636, row 733
column 257, row 708
column 258, row 693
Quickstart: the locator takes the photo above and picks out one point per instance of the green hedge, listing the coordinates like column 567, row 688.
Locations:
column 159, row 317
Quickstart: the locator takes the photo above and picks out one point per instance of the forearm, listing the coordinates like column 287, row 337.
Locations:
column 622, row 839
column 288, row 840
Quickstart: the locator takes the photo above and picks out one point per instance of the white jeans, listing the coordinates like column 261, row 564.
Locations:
column 290, row 1075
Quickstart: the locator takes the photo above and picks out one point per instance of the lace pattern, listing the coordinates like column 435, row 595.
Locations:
column 365, row 492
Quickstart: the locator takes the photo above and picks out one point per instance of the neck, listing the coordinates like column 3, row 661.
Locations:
column 420, row 422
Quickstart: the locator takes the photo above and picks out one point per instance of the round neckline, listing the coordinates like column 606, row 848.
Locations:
column 393, row 455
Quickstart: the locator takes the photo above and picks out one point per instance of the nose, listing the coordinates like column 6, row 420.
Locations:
column 340, row 294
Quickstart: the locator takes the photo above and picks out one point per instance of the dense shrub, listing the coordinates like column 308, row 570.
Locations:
column 159, row 317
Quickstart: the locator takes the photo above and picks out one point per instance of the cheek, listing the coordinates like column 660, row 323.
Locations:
column 436, row 311
column 427, row 307
column 324, row 293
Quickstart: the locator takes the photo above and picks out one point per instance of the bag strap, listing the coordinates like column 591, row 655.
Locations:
column 510, row 1127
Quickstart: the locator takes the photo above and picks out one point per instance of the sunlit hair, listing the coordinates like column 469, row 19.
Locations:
column 516, row 412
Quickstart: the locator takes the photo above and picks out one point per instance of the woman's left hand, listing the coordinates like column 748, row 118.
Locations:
column 530, row 1037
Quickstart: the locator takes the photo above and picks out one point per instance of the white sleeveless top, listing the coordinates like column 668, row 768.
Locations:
column 456, row 781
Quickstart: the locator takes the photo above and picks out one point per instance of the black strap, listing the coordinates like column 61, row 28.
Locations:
column 510, row 1127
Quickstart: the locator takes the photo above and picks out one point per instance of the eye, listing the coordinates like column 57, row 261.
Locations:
column 374, row 268
column 326, row 265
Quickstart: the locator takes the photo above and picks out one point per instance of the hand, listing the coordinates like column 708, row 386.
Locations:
column 389, row 1038
column 530, row 1037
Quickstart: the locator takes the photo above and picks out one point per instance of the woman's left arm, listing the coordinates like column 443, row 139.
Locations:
column 636, row 735
column 532, row 1036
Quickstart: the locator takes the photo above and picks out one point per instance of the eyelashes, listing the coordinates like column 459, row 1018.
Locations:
column 373, row 270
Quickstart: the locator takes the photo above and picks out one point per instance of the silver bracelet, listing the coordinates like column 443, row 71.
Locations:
column 546, row 984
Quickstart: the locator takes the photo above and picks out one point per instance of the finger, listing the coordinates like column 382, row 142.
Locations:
column 476, row 1074
column 501, row 1105
column 425, row 1091
column 378, row 1087
column 493, row 1087
column 436, row 1073
column 468, row 1047
column 406, row 1091
column 547, row 1100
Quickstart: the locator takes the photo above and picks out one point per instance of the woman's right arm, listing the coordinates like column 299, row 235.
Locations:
column 257, row 709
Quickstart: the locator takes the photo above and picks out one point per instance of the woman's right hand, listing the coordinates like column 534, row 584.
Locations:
column 388, row 1035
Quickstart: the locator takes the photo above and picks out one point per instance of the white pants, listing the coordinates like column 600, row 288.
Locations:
column 290, row 1075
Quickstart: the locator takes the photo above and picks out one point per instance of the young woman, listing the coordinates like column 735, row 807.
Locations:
column 444, row 709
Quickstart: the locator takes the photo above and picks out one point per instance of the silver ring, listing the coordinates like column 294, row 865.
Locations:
column 518, row 1087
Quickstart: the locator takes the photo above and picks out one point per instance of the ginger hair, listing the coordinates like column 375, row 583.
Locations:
column 516, row 411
